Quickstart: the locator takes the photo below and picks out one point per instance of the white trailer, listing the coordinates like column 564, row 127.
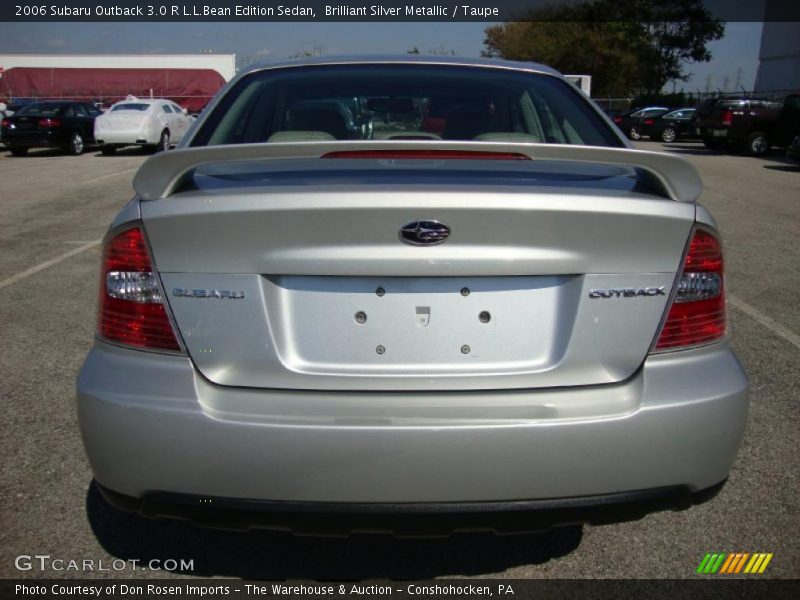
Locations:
column 582, row 82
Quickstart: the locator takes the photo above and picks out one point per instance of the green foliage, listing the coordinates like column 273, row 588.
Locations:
column 440, row 51
column 627, row 47
column 315, row 51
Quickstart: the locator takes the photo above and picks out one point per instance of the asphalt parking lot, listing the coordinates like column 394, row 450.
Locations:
column 53, row 211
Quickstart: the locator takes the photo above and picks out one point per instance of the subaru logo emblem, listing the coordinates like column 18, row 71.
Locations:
column 424, row 233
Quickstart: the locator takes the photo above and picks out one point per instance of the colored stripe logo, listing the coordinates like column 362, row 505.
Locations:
column 734, row 562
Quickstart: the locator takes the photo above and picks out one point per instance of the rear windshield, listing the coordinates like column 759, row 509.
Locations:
column 679, row 114
column 419, row 102
column 748, row 103
column 131, row 106
column 733, row 103
column 707, row 106
column 40, row 110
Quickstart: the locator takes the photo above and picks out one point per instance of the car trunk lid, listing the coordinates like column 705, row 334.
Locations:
column 292, row 273
column 122, row 120
column 23, row 123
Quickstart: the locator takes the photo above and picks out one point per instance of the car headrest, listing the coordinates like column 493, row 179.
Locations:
column 330, row 117
column 300, row 136
column 467, row 123
column 508, row 136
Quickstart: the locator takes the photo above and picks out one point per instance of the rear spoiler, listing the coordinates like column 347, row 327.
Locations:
column 162, row 174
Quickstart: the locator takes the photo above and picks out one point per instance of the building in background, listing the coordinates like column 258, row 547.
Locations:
column 779, row 58
column 224, row 64
column 188, row 79
column 582, row 82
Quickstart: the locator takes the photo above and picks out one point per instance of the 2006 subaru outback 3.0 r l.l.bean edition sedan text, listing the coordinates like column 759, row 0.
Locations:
column 336, row 308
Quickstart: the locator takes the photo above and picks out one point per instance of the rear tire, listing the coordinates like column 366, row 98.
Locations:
column 634, row 134
column 108, row 150
column 75, row 146
column 757, row 144
column 668, row 135
column 19, row 151
column 163, row 142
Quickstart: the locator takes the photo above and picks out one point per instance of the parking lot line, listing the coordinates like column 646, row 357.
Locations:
column 48, row 263
column 115, row 173
column 775, row 327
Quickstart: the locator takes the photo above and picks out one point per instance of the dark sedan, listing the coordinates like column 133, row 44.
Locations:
column 671, row 126
column 632, row 122
column 65, row 125
column 793, row 151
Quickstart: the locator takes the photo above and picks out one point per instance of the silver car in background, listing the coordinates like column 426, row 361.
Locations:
column 410, row 295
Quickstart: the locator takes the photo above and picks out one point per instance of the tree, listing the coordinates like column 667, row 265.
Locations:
column 597, row 49
column 675, row 33
column 315, row 51
column 635, row 46
column 440, row 51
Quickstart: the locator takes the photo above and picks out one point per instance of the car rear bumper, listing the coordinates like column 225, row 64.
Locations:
column 152, row 425
column 35, row 139
column 713, row 132
column 409, row 519
column 793, row 151
column 134, row 137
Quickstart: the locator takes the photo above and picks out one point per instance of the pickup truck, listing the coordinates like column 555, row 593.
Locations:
column 747, row 124
column 737, row 123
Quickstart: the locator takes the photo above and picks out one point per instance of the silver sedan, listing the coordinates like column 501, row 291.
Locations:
column 412, row 295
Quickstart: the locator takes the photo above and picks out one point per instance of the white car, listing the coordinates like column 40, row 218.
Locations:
column 158, row 124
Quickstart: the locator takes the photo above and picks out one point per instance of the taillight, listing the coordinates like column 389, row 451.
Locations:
column 649, row 122
column 617, row 120
column 727, row 118
column 423, row 154
column 5, row 122
column 132, row 310
column 49, row 122
column 697, row 313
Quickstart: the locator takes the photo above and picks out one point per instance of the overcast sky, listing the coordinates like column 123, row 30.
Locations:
column 738, row 49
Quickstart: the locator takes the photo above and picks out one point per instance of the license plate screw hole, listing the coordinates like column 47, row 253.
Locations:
column 360, row 317
column 485, row 316
column 380, row 349
column 380, row 292
column 465, row 349
column 465, row 291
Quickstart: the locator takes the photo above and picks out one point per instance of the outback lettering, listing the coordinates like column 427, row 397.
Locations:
column 627, row 292
column 204, row 293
